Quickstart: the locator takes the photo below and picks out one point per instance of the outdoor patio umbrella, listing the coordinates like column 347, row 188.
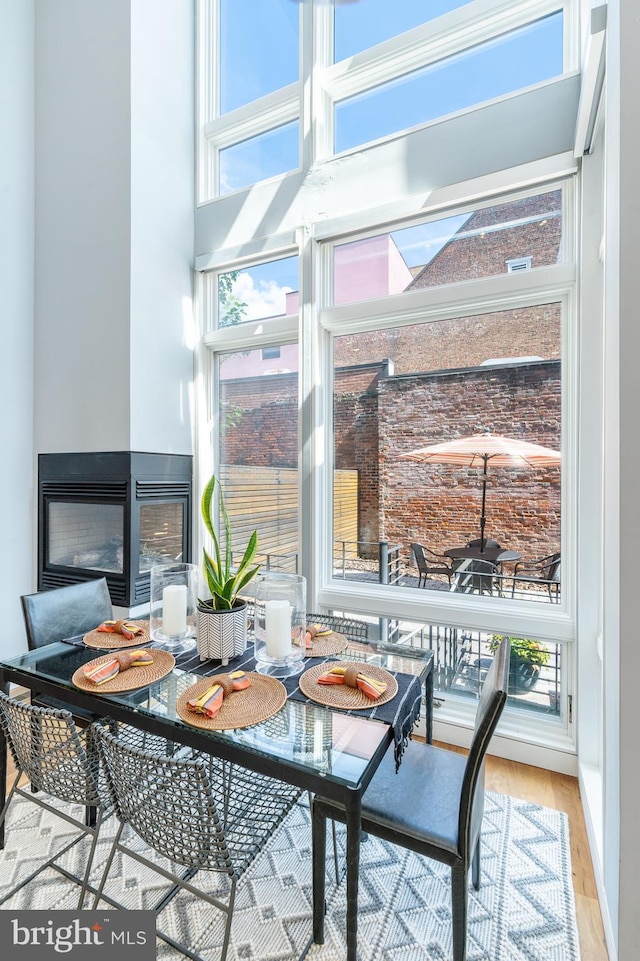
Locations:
column 480, row 450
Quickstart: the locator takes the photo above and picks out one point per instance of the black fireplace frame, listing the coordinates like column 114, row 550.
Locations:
column 129, row 479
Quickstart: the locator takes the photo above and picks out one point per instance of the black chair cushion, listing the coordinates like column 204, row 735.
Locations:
column 428, row 779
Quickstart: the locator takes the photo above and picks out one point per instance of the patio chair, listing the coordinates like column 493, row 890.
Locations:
column 200, row 812
column 433, row 805
column 428, row 562
column 47, row 746
column 544, row 571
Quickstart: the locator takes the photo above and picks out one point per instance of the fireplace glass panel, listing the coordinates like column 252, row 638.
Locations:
column 161, row 534
column 86, row 535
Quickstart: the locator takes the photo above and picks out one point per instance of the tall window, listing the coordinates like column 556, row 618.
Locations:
column 365, row 299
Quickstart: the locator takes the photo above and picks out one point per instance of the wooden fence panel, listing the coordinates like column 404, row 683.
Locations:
column 265, row 499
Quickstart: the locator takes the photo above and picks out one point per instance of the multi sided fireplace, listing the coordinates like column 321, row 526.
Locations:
column 112, row 515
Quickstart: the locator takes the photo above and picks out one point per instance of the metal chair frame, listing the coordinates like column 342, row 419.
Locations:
column 200, row 812
column 60, row 761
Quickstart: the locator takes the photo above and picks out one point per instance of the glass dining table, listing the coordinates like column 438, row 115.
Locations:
column 330, row 752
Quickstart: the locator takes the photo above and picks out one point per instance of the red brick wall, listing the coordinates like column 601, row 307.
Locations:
column 440, row 505
column 377, row 417
column 463, row 342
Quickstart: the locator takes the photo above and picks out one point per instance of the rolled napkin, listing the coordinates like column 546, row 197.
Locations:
column 119, row 661
column 351, row 676
column 210, row 702
column 126, row 628
column 316, row 630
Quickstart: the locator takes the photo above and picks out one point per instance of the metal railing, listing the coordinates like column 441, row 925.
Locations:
column 377, row 561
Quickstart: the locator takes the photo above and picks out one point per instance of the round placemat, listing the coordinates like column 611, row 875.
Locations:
column 129, row 680
column 262, row 700
column 328, row 644
column 102, row 641
column 342, row 696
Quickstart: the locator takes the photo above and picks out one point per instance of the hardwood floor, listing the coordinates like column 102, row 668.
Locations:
column 557, row 791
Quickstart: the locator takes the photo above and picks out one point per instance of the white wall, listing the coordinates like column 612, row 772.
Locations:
column 83, row 146
column 114, row 226
column 16, row 314
column 162, row 201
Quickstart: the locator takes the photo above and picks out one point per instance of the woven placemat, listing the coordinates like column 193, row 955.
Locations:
column 128, row 680
column 101, row 641
column 340, row 695
column 328, row 644
column 262, row 700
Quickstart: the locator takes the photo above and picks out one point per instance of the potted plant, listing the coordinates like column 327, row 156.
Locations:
column 527, row 657
column 222, row 618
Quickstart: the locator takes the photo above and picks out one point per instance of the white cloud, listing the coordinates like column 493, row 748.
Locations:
column 266, row 299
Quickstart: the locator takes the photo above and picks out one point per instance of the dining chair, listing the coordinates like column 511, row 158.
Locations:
column 50, row 616
column 200, row 812
column 428, row 562
column 55, row 755
column 433, row 805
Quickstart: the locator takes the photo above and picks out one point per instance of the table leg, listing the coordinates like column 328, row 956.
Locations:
column 319, row 860
column 428, row 692
column 353, row 870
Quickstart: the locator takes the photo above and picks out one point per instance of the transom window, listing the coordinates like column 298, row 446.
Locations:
column 378, row 69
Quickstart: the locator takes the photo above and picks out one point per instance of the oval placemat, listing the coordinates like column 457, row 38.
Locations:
column 130, row 680
column 340, row 695
column 101, row 641
column 328, row 644
column 262, row 700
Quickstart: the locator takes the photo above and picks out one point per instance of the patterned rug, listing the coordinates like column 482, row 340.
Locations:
column 524, row 910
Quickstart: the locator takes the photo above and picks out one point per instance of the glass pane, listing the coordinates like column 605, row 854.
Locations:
column 518, row 235
column 256, row 293
column 258, row 52
column 259, row 158
column 86, row 535
column 259, row 453
column 161, row 534
column 363, row 25
column 462, row 659
column 518, row 59
column 399, row 390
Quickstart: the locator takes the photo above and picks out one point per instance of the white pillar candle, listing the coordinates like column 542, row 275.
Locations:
column 174, row 610
column 277, row 619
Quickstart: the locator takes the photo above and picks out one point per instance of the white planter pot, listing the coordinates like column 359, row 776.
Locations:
column 222, row 635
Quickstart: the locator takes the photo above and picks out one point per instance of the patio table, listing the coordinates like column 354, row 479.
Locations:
column 306, row 744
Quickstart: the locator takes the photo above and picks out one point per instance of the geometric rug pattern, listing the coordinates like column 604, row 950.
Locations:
column 524, row 910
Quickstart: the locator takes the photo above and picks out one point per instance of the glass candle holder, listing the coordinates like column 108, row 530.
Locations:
column 280, row 624
column 172, row 614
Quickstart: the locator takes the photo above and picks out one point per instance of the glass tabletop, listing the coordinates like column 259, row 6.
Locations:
column 305, row 736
